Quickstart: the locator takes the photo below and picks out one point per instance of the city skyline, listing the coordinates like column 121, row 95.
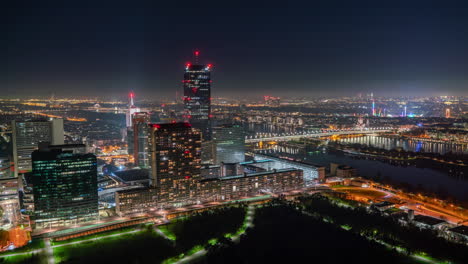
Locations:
column 311, row 49
column 187, row 132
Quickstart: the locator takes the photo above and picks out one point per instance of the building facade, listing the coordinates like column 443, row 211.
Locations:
column 230, row 188
column 175, row 153
column 65, row 187
column 140, row 133
column 229, row 141
column 26, row 137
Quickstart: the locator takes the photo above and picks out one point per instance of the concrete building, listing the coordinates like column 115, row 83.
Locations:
column 175, row 151
column 130, row 202
column 344, row 171
column 427, row 222
column 459, row 234
column 383, row 206
column 26, row 137
column 311, row 172
column 210, row 171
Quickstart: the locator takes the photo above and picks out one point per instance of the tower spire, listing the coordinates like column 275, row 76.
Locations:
column 131, row 95
column 196, row 53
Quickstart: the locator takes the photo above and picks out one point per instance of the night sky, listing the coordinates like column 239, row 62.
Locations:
column 295, row 48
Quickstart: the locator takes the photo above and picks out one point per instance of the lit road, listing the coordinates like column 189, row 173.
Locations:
column 422, row 208
column 22, row 253
column 49, row 252
column 161, row 233
column 418, row 206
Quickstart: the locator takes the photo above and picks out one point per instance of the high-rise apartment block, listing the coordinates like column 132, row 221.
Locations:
column 175, row 150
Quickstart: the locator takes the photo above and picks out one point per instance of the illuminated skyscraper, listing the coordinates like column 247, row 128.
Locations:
column 175, row 150
column 26, row 137
column 140, row 135
column 447, row 113
column 65, row 186
column 197, row 96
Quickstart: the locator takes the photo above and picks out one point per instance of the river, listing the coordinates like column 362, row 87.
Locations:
column 407, row 144
column 428, row 179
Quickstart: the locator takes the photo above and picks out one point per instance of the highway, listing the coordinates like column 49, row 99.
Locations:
column 419, row 207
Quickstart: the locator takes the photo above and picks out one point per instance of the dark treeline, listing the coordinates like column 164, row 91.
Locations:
column 199, row 228
column 384, row 228
column 283, row 234
column 148, row 247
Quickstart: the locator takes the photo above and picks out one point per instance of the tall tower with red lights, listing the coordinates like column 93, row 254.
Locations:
column 197, row 95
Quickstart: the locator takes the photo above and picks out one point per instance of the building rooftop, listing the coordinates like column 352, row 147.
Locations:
column 383, row 204
column 132, row 175
column 427, row 220
column 255, row 161
column 171, row 125
column 250, row 175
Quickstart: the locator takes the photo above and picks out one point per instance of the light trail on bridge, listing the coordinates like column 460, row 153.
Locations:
column 313, row 135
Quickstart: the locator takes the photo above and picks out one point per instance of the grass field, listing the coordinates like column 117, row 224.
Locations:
column 33, row 245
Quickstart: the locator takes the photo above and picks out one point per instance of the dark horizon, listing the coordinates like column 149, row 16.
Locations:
column 292, row 49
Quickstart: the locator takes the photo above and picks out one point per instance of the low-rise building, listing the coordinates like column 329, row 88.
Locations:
column 208, row 190
column 132, row 177
column 459, row 234
column 427, row 222
column 383, row 206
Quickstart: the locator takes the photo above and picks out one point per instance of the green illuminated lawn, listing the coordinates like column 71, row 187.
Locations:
column 26, row 258
column 167, row 232
column 148, row 246
column 141, row 247
column 33, row 245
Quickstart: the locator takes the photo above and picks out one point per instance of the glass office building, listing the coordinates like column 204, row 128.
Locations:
column 65, row 187
column 229, row 141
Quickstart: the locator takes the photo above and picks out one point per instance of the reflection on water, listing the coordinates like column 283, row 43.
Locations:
column 429, row 179
column 406, row 144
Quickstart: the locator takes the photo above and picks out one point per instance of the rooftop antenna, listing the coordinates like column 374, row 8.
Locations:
column 196, row 53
